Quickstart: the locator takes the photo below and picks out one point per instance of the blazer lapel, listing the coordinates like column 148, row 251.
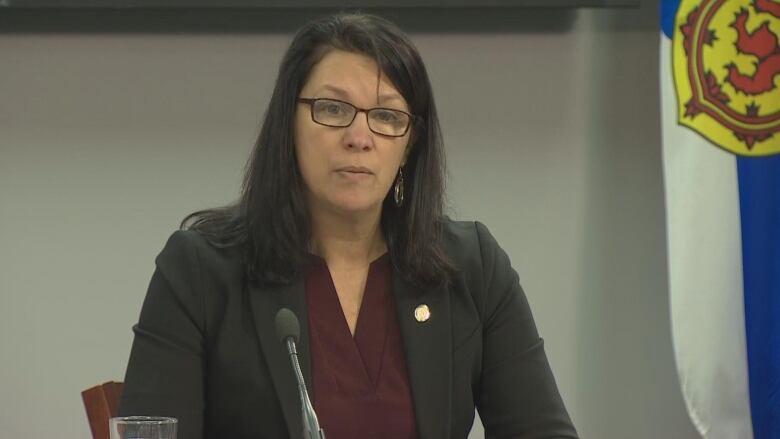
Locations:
column 428, row 349
column 266, row 302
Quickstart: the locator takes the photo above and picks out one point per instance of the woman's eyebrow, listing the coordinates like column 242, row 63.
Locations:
column 337, row 90
column 391, row 97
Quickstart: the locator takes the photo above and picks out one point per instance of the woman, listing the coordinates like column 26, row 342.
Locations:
column 409, row 320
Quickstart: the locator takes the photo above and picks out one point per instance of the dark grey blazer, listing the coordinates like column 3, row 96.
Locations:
column 206, row 351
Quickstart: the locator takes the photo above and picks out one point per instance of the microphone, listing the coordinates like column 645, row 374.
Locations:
column 289, row 331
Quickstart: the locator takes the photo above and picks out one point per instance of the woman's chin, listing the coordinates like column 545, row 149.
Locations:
column 356, row 205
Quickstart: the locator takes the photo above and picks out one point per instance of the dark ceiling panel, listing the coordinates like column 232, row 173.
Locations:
column 222, row 4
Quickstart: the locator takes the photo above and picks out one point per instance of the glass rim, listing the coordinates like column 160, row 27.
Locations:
column 410, row 118
column 158, row 420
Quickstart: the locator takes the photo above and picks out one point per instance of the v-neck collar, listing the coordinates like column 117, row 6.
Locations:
column 318, row 263
column 361, row 355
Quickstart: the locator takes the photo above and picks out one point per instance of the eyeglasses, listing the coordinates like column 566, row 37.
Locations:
column 340, row 114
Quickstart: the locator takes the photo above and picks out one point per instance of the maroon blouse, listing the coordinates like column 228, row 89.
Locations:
column 360, row 385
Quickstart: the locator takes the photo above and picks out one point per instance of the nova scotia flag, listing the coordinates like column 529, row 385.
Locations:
column 720, row 82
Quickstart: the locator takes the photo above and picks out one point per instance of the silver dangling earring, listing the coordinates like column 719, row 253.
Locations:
column 399, row 188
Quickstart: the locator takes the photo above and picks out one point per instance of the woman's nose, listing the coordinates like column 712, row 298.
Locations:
column 358, row 135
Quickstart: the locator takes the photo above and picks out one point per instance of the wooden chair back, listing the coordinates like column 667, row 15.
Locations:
column 101, row 403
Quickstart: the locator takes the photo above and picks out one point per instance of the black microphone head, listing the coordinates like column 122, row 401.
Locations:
column 287, row 325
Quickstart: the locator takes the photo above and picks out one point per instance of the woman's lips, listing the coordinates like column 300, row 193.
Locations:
column 354, row 170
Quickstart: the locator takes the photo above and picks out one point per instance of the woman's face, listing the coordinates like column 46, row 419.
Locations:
column 348, row 170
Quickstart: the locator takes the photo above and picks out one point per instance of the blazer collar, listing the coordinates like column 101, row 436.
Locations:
column 427, row 346
column 428, row 350
column 266, row 302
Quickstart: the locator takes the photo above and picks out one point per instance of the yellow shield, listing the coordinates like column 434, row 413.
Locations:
column 727, row 72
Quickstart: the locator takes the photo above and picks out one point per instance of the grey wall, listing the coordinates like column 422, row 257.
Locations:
column 551, row 121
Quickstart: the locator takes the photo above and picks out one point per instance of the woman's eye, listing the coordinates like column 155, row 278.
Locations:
column 333, row 109
column 385, row 116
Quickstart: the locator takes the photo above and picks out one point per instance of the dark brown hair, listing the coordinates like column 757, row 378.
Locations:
column 270, row 220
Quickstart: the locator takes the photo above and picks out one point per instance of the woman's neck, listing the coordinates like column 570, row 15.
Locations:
column 347, row 240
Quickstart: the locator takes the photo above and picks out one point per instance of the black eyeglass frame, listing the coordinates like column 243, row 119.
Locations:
column 312, row 101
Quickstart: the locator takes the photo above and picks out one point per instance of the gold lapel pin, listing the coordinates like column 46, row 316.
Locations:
column 422, row 313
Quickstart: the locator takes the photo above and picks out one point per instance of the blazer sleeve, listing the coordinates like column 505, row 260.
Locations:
column 165, row 373
column 518, row 397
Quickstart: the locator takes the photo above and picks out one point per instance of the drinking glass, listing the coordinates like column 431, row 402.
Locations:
column 142, row 427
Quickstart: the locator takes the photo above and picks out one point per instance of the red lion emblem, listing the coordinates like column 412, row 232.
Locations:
column 725, row 88
column 761, row 43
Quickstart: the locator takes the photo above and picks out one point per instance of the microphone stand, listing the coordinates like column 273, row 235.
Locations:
column 311, row 426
